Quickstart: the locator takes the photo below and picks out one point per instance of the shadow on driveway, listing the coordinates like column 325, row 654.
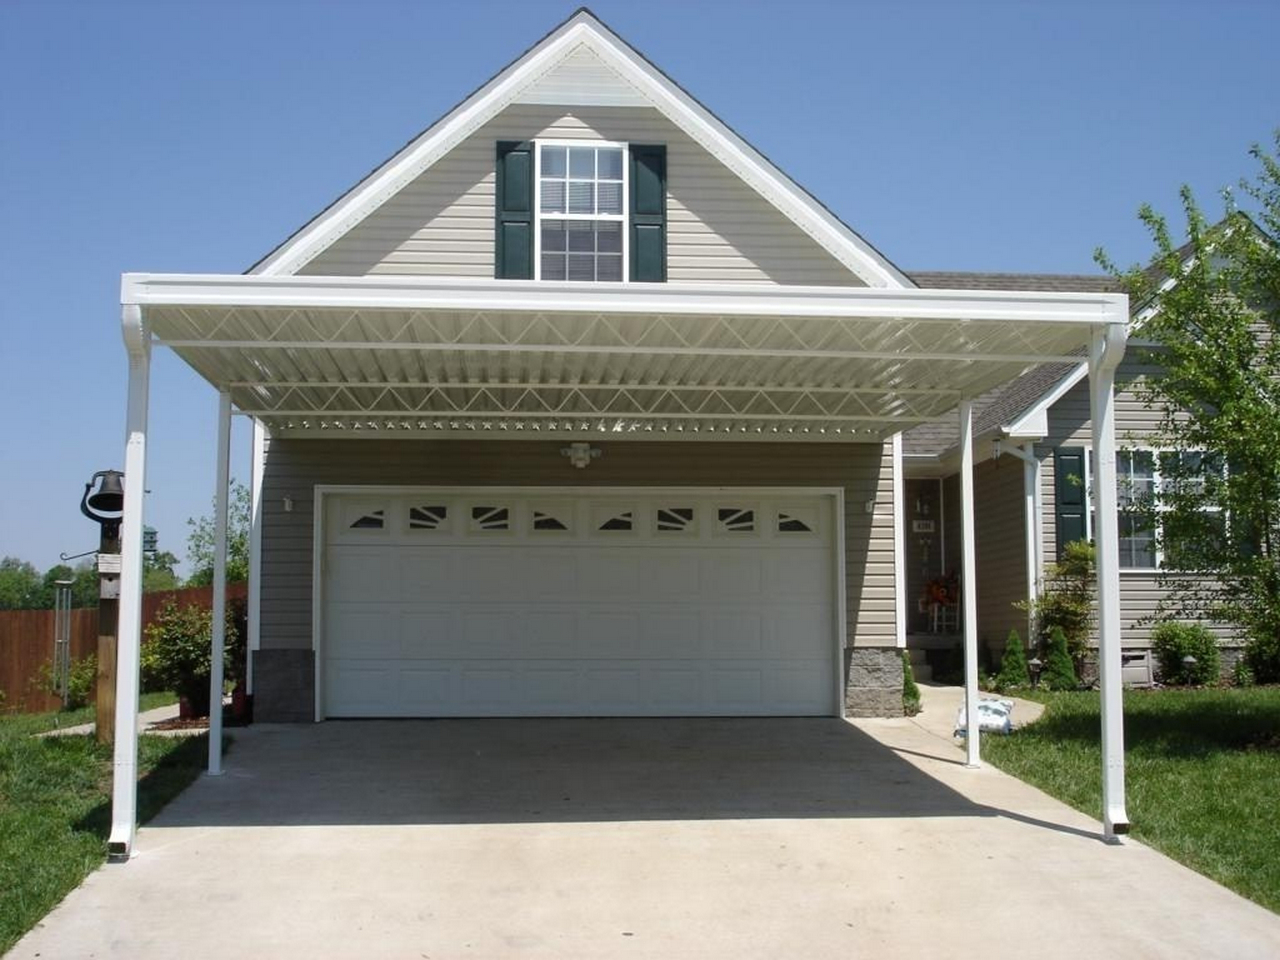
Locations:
column 375, row 772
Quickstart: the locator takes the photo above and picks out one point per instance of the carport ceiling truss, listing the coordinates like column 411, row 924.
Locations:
column 391, row 355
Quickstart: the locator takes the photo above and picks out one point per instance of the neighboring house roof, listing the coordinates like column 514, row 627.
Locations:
column 1011, row 400
column 584, row 34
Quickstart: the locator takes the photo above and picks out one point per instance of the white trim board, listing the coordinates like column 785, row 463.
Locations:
column 584, row 30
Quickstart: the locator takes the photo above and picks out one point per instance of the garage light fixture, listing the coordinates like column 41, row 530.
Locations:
column 580, row 454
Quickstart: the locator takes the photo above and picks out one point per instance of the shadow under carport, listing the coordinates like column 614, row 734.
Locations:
column 372, row 772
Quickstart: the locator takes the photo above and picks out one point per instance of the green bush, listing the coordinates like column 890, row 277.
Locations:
column 1262, row 657
column 910, row 692
column 1013, row 665
column 176, row 652
column 82, row 681
column 1171, row 641
column 1066, row 602
column 1059, row 669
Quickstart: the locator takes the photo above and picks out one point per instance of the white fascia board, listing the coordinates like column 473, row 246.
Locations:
column 678, row 106
column 431, row 293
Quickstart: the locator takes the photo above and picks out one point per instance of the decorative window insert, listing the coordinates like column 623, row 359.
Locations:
column 613, row 518
column 551, row 517
column 428, row 517
column 674, row 520
column 372, row 520
column 736, row 519
column 795, row 521
column 581, row 204
column 490, row 518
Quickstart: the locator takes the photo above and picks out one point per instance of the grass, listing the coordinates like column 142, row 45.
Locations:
column 1202, row 771
column 55, row 807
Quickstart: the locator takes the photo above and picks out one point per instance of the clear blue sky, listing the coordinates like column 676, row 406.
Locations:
column 194, row 136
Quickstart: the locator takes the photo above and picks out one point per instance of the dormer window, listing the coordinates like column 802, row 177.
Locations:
column 582, row 199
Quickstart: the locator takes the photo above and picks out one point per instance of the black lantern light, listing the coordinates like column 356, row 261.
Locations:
column 108, row 498
column 1034, row 666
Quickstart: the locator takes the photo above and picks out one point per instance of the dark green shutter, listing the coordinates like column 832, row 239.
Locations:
column 513, row 240
column 1070, row 497
column 648, row 213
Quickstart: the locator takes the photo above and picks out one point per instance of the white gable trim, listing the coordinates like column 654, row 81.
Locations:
column 1034, row 421
column 583, row 29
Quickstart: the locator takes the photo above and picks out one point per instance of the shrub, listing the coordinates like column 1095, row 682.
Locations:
column 1013, row 665
column 910, row 692
column 1059, row 669
column 82, row 681
column 1262, row 657
column 1066, row 603
column 1171, row 641
column 176, row 652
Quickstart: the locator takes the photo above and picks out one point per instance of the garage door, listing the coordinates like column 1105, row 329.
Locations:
column 527, row 603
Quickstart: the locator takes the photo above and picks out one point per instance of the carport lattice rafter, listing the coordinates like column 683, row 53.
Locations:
column 299, row 399
column 655, row 335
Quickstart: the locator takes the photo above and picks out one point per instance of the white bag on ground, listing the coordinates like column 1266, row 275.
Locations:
column 995, row 716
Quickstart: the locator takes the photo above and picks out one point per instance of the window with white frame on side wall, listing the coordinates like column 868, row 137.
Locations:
column 1142, row 476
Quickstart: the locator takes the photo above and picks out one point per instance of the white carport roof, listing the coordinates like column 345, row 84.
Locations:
column 429, row 356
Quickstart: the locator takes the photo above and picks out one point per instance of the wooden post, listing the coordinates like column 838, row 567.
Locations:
column 108, row 616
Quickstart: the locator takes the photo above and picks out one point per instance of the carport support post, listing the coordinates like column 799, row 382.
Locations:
column 1105, row 354
column 968, row 588
column 124, row 778
column 219, row 582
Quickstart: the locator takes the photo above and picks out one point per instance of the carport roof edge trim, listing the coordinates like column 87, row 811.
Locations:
column 1089, row 309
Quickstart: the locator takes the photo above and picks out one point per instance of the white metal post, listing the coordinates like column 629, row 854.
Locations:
column 219, row 582
column 968, row 586
column 124, row 779
column 899, row 545
column 1105, row 354
column 254, row 615
column 1031, row 507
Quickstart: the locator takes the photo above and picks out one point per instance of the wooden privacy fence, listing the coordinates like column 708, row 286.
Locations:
column 26, row 644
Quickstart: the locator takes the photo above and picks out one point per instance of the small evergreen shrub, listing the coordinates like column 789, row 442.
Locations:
column 1013, row 665
column 1262, row 657
column 1059, row 669
column 1171, row 641
column 910, row 692
column 1068, row 598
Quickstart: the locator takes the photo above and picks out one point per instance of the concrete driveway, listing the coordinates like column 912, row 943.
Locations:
column 633, row 838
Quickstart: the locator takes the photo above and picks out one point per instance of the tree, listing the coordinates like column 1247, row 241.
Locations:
column 20, row 585
column 158, row 573
column 1013, row 665
column 84, row 587
column 200, row 541
column 1059, row 669
column 1215, row 332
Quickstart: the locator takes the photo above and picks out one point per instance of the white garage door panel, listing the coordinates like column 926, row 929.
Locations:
column 678, row 615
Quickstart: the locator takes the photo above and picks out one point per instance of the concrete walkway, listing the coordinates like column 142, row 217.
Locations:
column 669, row 839
column 145, row 719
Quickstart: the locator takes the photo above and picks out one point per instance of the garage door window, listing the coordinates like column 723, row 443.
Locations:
column 428, row 517
column 613, row 517
column 373, row 520
column 676, row 520
column 736, row 519
column 490, row 519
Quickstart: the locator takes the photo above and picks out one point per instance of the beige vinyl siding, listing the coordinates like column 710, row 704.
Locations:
column 718, row 228
column 1000, row 545
column 1069, row 425
column 294, row 467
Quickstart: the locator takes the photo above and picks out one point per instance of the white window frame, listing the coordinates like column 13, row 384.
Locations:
column 623, row 219
column 1157, row 481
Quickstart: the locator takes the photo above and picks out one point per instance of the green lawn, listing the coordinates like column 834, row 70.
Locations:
column 55, row 807
column 1203, row 775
